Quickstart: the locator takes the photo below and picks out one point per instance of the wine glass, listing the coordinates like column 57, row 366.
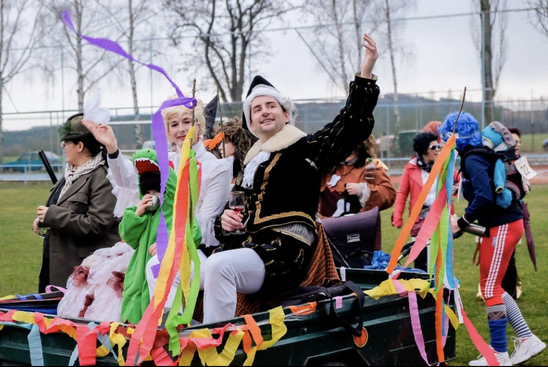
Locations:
column 236, row 202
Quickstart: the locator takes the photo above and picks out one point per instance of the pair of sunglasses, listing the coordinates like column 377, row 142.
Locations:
column 435, row 147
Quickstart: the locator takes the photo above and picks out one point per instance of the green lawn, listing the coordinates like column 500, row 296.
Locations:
column 534, row 300
column 533, row 143
column 21, row 249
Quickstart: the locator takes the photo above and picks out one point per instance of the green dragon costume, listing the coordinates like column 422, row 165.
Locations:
column 140, row 234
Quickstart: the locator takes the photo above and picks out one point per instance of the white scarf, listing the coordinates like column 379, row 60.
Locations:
column 72, row 173
column 249, row 170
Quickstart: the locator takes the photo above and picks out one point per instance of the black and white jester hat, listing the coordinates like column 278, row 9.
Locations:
column 262, row 87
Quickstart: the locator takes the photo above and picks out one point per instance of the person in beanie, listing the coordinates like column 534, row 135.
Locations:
column 495, row 136
column 504, row 224
column 78, row 213
column 281, row 181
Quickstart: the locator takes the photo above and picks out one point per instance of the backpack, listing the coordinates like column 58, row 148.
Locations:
column 508, row 184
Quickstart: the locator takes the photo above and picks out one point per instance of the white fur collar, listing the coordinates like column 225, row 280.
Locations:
column 283, row 139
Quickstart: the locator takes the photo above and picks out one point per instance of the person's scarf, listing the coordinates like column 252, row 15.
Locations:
column 72, row 173
column 425, row 166
column 249, row 171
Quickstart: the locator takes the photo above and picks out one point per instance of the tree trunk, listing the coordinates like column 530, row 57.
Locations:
column 358, row 32
column 340, row 41
column 487, row 60
column 394, row 77
column 1, row 120
column 79, row 66
column 133, row 81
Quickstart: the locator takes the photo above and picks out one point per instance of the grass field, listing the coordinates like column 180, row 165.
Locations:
column 21, row 250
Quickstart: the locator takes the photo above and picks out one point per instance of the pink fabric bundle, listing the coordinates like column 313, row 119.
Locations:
column 94, row 289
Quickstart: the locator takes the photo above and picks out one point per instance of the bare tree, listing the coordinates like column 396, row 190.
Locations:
column 90, row 63
column 336, row 22
column 224, row 32
column 389, row 9
column 541, row 14
column 341, row 20
column 492, row 51
column 19, row 29
column 139, row 12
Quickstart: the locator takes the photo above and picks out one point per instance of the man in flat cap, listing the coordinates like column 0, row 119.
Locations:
column 78, row 214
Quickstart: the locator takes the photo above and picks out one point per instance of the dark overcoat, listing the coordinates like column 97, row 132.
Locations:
column 81, row 222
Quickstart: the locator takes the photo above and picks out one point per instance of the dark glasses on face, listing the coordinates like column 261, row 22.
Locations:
column 434, row 147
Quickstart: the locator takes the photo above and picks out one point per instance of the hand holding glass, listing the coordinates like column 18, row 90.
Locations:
column 236, row 202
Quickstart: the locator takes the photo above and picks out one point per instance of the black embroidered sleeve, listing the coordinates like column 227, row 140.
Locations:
column 353, row 125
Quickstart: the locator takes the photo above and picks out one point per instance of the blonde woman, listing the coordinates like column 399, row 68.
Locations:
column 216, row 174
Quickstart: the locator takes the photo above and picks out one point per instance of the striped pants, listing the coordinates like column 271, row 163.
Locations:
column 495, row 253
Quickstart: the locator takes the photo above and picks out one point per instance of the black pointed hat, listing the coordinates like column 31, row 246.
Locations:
column 210, row 111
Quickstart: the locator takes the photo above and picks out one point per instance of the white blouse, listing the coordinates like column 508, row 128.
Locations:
column 215, row 185
column 125, row 183
column 214, row 190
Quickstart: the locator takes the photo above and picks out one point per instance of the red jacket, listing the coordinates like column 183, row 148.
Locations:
column 410, row 185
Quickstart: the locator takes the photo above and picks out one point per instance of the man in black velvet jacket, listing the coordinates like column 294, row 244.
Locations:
column 281, row 180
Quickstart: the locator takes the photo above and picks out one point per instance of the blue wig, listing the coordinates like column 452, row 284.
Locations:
column 467, row 131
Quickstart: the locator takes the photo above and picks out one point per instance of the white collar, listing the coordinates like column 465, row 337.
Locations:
column 199, row 148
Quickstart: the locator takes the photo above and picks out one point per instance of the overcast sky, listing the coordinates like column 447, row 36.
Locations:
column 441, row 58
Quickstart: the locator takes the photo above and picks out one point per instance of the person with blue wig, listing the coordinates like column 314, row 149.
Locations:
column 504, row 228
column 468, row 134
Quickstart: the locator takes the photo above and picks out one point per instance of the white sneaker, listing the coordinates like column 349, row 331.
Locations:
column 502, row 357
column 525, row 348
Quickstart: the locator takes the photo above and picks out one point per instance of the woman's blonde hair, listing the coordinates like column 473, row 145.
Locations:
column 174, row 112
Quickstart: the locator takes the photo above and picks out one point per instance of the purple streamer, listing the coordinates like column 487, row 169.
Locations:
column 155, row 270
column 158, row 127
column 116, row 48
column 160, row 137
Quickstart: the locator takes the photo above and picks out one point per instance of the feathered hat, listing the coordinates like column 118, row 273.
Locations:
column 73, row 128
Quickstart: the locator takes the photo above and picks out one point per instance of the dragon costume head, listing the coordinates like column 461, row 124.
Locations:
column 148, row 169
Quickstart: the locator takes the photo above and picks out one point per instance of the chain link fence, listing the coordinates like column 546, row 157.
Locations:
column 435, row 59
